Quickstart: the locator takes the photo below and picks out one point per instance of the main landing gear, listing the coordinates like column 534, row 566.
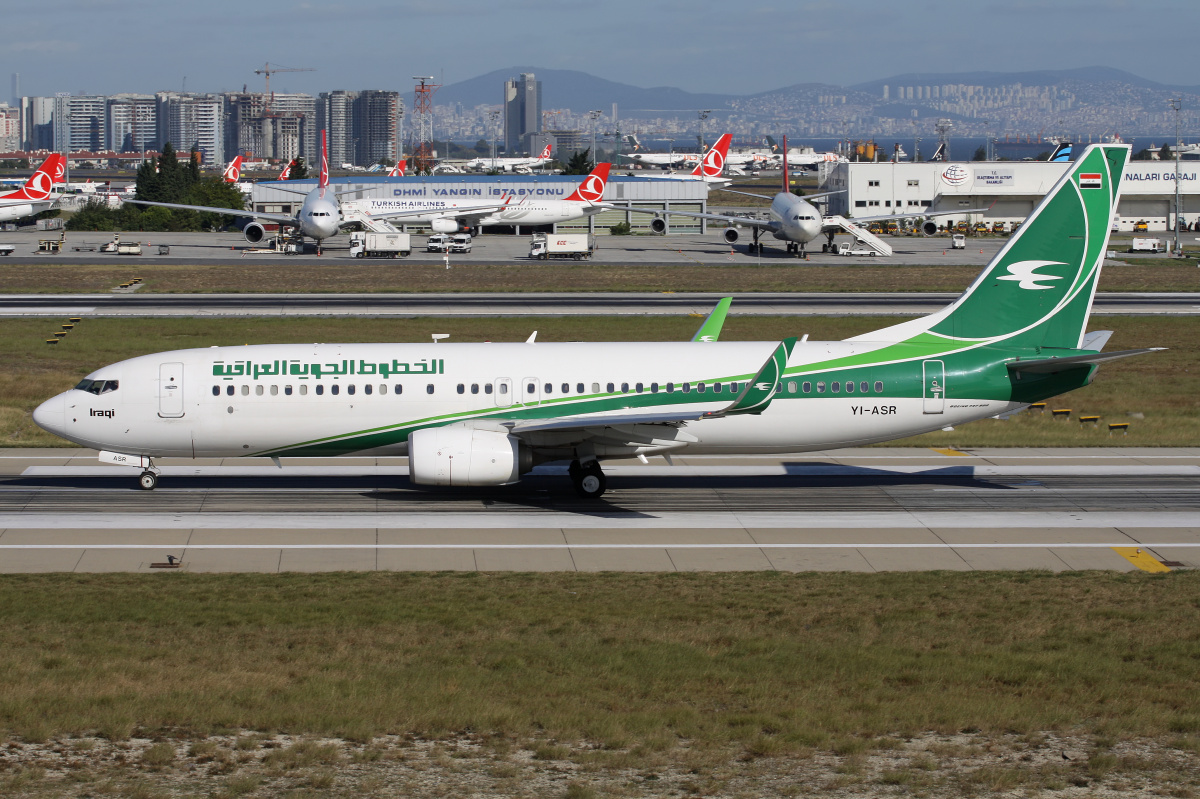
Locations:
column 756, row 245
column 588, row 478
column 148, row 480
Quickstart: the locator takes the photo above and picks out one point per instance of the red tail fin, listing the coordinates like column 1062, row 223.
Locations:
column 42, row 182
column 287, row 171
column 787, row 182
column 399, row 168
column 591, row 190
column 545, row 153
column 713, row 162
column 234, row 171
column 324, row 179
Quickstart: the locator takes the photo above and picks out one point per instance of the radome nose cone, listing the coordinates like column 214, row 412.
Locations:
column 50, row 414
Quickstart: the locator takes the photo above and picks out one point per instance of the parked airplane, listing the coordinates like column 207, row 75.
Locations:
column 38, row 194
column 399, row 168
column 796, row 220
column 807, row 157
column 709, row 168
column 484, row 414
column 286, row 174
column 233, row 172
column 452, row 216
column 509, row 164
column 1062, row 152
column 663, row 160
column 320, row 215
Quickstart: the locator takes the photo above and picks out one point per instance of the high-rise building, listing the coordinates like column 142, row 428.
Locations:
column 80, row 123
column 132, row 123
column 362, row 127
column 10, row 128
column 193, row 121
column 37, row 123
column 522, row 112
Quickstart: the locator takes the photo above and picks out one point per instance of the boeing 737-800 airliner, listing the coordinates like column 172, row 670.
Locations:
column 483, row 414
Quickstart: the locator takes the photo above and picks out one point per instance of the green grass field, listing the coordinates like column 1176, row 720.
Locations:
column 614, row 659
column 1162, row 387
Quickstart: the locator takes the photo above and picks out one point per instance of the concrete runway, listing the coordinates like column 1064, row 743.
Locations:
column 859, row 510
column 538, row 304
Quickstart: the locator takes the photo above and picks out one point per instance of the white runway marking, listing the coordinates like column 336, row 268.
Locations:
column 747, row 545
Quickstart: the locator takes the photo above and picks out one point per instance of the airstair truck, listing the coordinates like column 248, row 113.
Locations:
column 562, row 245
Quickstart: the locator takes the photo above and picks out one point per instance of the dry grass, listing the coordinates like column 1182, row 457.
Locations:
column 742, row 275
column 773, row 664
column 1162, row 387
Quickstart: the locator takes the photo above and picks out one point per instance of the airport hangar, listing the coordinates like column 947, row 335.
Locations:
column 640, row 192
column 1008, row 189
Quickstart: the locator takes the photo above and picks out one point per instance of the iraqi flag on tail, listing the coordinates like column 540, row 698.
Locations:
column 1091, row 180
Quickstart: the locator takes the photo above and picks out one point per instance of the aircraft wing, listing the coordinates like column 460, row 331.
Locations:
column 913, row 215
column 754, row 398
column 1052, row 365
column 478, row 210
column 281, row 218
column 733, row 220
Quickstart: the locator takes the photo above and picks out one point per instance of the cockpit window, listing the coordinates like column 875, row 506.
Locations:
column 98, row 386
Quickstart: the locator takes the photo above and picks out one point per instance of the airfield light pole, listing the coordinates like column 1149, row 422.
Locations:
column 594, row 115
column 494, row 116
column 703, row 116
column 1176, row 103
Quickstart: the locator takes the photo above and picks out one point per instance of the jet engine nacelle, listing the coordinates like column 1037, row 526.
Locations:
column 15, row 212
column 731, row 235
column 658, row 224
column 462, row 455
column 254, row 232
column 444, row 225
column 929, row 227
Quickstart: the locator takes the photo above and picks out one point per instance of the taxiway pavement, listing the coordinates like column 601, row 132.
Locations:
column 864, row 510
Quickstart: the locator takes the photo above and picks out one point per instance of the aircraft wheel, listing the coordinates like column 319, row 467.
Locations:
column 589, row 480
column 148, row 480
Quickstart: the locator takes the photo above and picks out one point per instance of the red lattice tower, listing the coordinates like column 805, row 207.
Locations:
column 423, row 159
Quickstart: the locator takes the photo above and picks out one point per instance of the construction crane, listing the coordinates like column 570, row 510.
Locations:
column 268, row 71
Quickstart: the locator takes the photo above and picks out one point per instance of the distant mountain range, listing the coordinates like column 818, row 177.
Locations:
column 581, row 92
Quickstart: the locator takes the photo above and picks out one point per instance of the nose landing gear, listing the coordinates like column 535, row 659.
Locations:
column 148, row 480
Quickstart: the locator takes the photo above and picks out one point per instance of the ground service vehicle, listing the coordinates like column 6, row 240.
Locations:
column 365, row 244
column 846, row 248
column 1148, row 245
column 460, row 242
column 958, row 242
column 562, row 245
column 438, row 242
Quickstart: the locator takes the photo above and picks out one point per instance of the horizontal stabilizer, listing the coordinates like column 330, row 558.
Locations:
column 1051, row 365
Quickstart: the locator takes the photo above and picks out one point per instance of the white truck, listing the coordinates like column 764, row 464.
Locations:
column 365, row 244
column 1148, row 245
column 460, row 242
column 858, row 248
column 562, row 245
column 438, row 242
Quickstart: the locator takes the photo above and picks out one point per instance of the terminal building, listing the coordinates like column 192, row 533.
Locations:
column 660, row 195
column 1009, row 190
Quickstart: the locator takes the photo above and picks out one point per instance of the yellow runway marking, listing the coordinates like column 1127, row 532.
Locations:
column 1140, row 558
column 950, row 451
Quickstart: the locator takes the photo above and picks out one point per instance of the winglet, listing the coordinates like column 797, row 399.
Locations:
column 757, row 394
column 324, row 180
column 711, row 329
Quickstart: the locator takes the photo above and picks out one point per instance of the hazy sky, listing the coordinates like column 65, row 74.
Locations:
column 109, row 46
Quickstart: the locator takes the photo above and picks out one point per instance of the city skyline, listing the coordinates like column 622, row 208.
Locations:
column 700, row 46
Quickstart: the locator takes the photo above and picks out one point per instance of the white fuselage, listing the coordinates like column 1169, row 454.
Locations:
column 663, row 160
column 525, row 212
column 320, row 215
column 794, row 218
column 340, row 398
column 18, row 208
column 505, row 164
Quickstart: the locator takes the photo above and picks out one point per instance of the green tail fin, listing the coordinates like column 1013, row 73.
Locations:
column 711, row 329
column 1037, row 291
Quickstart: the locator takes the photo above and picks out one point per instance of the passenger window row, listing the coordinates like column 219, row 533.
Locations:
column 319, row 389
column 836, row 387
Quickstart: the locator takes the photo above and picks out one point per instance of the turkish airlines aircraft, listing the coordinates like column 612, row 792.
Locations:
column 710, row 167
column 287, row 171
column 233, row 172
column 38, row 193
column 399, row 169
column 509, row 164
column 452, row 216
column 484, row 414
column 319, row 217
column 792, row 219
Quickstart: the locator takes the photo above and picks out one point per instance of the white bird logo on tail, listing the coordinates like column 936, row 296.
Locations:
column 1026, row 273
